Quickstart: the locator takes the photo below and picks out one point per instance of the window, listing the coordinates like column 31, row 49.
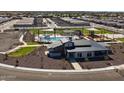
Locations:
column 100, row 53
column 69, row 45
column 79, row 54
column 89, row 54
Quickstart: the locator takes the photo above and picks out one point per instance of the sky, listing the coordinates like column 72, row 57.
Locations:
column 62, row 5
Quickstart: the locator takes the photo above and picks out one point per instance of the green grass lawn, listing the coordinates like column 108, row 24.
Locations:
column 100, row 31
column 22, row 52
column 120, row 39
column 103, row 31
column 83, row 30
column 60, row 31
column 32, row 43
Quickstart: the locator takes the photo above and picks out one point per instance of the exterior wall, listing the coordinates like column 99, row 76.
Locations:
column 69, row 44
column 100, row 55
column 76, row 55
column 55, row 54
column 84, row 54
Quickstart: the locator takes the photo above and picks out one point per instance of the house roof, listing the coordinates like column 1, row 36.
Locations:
column 81, row 42
column 94, row 47
column 83, row 49
column 57, row 43
column 54, row 44
column 104, row 44
column 64, row 40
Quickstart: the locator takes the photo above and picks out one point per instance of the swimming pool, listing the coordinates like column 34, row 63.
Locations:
column 49, row 38
column 53, row 39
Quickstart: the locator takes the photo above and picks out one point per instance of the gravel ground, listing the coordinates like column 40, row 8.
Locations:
column 9, row 40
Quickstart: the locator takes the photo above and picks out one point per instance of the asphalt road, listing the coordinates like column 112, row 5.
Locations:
column 121, row 31
column 17, row 74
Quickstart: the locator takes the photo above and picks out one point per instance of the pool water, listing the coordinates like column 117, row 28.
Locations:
column 53, row 39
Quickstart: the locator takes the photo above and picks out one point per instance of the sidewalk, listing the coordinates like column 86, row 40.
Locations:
column 76, row 66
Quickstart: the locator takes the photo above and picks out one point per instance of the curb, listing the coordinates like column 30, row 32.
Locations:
column 53, row 70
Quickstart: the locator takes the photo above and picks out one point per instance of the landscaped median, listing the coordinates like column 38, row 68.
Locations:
column 22, row 52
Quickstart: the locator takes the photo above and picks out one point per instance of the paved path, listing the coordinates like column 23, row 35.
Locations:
column 76, row 66
column 21, row 39
column 86, row 38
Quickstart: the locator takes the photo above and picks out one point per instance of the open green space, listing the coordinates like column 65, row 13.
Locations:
column 85, row 31
column 32, row 43
column 120, row 39
column 103, row 31
column 22, row 52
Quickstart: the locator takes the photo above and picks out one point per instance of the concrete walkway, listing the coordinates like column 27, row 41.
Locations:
column 21, row 39
column 76, row 66
column 86, row 38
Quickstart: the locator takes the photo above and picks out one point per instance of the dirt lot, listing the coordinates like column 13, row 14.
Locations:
column 9, row 40
column 38, row 59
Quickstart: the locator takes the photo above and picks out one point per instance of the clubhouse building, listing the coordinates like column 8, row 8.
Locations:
column 77, row 49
